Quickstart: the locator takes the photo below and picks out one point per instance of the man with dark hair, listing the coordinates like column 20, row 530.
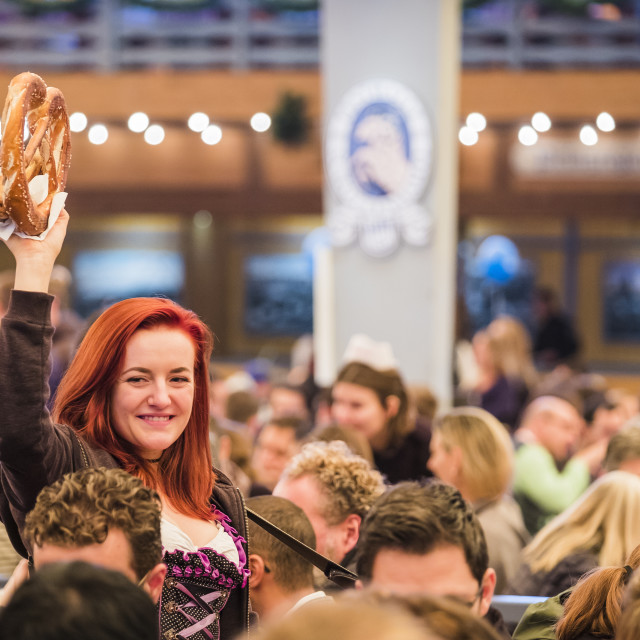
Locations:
column 281, row 579
column 288, row 400
column 426, row 539
column 105, row 517
column 554, row 341
column 278, row 441
column 242, row 407
column 77, row 601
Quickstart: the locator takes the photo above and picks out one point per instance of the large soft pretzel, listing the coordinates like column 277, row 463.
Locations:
column 47, row 152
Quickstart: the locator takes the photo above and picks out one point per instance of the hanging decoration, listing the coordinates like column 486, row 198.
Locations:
column 550, row 7
column 287, row 5
column 290, row 123
column 36, row 7
column 472, row 4
column 176, row 5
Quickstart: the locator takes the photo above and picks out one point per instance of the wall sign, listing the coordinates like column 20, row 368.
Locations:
column 563, row 159
column 379, row 158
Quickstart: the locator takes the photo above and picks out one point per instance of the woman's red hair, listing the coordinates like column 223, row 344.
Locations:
column 83, row 400
column 594, row 607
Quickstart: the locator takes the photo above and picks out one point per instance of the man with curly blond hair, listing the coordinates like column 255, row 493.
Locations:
column 335, row 488
column 105, row 517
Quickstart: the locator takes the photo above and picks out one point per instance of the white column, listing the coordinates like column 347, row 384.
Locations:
column 407, row 298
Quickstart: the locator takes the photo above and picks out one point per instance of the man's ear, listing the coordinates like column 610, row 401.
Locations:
column 392, row 406
column 257, row 567
column 350, row 528
column 154, row 581
column 488, row 587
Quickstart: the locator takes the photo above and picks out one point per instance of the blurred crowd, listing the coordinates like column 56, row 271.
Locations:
column 530, row 486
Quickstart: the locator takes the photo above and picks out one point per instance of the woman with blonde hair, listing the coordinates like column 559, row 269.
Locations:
column 472, row 450
column 506, row 372
column 511, row 347
column 600, row 529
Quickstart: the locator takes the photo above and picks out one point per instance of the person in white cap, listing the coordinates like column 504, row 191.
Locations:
column 369, row 395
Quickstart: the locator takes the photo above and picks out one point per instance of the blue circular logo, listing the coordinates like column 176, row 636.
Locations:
column 378, row 157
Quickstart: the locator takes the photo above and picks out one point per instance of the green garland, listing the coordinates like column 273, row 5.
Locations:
column 175, row 5
column 37, row 7
column 572, row 7
column 472, row 4
column 288, row 5
column 290, row 124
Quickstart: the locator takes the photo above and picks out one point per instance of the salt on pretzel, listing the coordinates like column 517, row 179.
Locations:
column 47, row 152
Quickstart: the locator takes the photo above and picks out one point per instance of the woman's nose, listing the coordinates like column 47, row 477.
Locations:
column 160, row 396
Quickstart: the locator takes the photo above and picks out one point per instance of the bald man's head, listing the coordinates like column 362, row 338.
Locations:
column 556, row 424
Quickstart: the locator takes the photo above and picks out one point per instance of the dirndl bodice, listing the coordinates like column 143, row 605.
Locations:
column 197, row 587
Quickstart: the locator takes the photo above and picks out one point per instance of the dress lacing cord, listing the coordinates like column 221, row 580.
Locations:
column 201, row 602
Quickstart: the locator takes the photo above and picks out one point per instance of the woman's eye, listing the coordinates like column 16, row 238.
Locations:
column 136, row 379
column 180, row 380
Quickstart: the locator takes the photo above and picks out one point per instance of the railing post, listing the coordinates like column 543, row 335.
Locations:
column 107, row 45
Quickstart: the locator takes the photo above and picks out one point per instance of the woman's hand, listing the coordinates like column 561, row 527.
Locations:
column 20, row 574
column 35, row 258
column 593, row 455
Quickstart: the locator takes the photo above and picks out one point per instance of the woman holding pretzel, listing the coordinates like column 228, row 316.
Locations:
column 136, row 397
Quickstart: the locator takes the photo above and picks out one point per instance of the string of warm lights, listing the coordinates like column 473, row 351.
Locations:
column 528, row 134
column 154, row 134
column 211, row 133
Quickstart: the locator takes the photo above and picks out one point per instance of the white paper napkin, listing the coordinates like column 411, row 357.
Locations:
column 38, row 188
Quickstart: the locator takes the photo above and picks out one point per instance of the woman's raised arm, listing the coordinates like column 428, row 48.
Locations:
column 31, row 453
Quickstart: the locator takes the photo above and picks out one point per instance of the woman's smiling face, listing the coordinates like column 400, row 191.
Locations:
column 152, row 398
column 359, row 407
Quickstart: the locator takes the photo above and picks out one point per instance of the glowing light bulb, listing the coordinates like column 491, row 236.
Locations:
column 588, row 135
column 138, row 122
column 98, row 134
column 468, row 136
column 605, row 122
column 154, row 134
column 78, row 122
column 541, row 122
column 198, row 121
column 260, row 122
column 476, row 121
column 527, row 135
column 212, row 134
